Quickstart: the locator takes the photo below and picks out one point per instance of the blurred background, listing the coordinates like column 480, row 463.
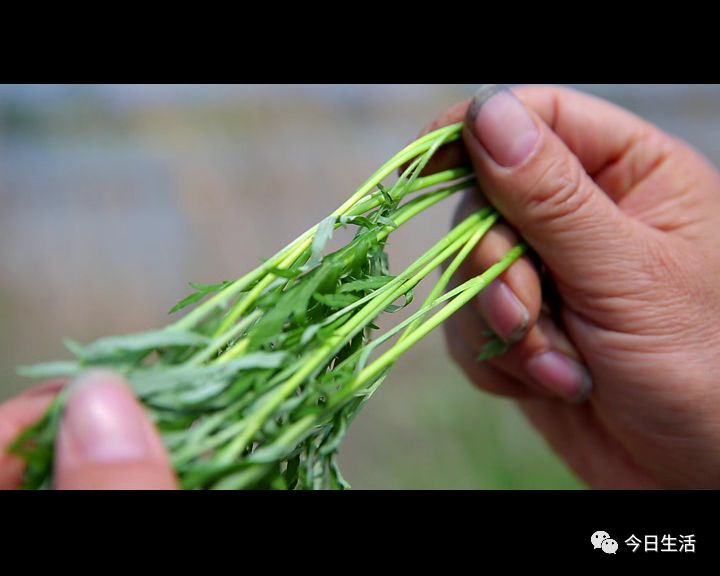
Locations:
column 112, row 198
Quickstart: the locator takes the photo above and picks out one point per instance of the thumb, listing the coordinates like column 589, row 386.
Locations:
column 542, row 189
column 106, row 441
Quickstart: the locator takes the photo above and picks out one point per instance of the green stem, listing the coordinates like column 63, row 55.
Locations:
column 382, row 298
column 415, row 266
column 376, row 198
column 224, row 339
column 447, row 275
column 434, row 299
column 460, row 296
column 401, row 188
column 403, row 215
column 292, row 251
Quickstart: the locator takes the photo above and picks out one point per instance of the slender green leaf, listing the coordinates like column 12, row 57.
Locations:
column 168, row 337
column 74, row 347
column 309, row 333
column 385, row 221
column 336, row 301
column 371, row 283
column 492, row 349
column 322, row 237
column 202, row 290
column 284, row 445
column 361, row 221
column 151, row 380
column 58, row 369
column 387, row 198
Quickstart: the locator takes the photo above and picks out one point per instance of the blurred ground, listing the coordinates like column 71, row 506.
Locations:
column 113, row 197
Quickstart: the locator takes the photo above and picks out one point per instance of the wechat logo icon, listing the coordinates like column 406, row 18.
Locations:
column 603, row 541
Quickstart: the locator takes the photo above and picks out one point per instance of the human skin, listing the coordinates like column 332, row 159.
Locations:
column 619, row 369
column 105, row 439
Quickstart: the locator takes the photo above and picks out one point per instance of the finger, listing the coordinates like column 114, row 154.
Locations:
column 16, row 415
column 483, row 375
column 615, row 147
column 510, row 304
column 644, row 170
column 544, row 361
column 549, row 361
column 107, row 442
column 541, row 188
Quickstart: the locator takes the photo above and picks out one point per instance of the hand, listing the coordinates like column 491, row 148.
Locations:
column 105, row 439
column 618, row 368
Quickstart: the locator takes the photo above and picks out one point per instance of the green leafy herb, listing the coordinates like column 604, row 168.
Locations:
column 201, row 290
column 256, row 386
column 492, row 348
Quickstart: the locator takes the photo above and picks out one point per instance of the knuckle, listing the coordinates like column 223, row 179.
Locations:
column 560, row 190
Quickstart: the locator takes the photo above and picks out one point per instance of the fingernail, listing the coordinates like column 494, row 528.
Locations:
column 102, row 422
column 560, row 375
column 503, row 311
column 502, row 124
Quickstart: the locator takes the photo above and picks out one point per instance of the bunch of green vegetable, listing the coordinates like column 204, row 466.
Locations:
column 257, row 385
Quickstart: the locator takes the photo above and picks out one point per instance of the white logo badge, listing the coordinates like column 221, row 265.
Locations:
column 609, row 546
column 598, row 537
